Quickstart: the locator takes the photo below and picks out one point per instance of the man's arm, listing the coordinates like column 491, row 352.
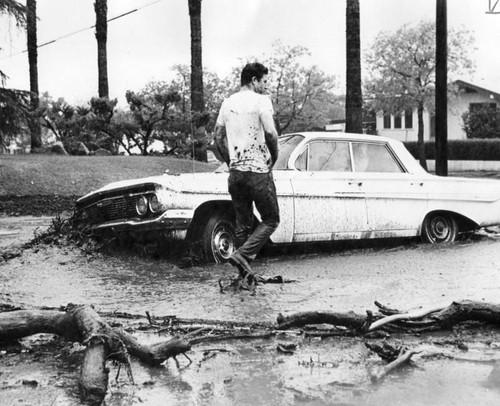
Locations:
column 220, row 139
column 271, row 136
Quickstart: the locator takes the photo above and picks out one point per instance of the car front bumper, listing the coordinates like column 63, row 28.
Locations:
column 175, row 221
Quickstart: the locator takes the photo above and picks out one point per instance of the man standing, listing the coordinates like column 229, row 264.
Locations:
column 248, row 141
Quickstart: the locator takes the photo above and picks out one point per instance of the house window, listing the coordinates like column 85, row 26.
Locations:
column 397, row 121
column 408, row 119
column 387, row 120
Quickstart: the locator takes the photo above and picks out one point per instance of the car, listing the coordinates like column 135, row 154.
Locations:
column 330, row 186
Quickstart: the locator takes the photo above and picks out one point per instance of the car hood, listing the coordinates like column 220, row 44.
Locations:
column 201, row 182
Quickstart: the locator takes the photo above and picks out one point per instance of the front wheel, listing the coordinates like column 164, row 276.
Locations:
column 218, row 238
column 439, row 227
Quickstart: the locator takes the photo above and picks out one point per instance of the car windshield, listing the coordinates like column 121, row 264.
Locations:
column 286, row 144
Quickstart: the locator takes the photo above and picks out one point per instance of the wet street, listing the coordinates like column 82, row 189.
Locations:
column 320, row 372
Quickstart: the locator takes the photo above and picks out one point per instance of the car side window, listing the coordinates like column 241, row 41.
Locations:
column 325, row 155
column 374, row 158
column 301, row 161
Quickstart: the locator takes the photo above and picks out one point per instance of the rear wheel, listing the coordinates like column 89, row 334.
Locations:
column 439, row 227
column 218, row 238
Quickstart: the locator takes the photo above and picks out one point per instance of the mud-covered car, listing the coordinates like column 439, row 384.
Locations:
column 330, row 186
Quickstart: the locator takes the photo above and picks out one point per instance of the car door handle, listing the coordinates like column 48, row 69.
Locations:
column 417, row 183
column 358, row 183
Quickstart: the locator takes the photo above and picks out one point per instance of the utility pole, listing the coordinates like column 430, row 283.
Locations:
column 441, row 89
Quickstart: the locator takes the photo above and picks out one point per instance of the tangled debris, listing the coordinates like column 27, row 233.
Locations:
column 103, row 341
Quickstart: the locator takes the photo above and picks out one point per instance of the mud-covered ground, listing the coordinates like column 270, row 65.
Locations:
column 453, row 367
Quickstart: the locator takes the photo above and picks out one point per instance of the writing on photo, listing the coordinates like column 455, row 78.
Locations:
column 492, row 7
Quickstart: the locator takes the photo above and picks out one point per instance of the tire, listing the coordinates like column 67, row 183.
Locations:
column 439, row 227
column 218, row 238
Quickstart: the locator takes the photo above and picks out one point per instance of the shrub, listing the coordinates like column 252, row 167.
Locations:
column 482, row 122
column 462, row 150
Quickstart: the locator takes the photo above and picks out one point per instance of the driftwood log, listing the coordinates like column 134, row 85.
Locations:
column 390, row 320
column 102, row 342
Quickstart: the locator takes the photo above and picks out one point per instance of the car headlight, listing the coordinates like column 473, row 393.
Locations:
column 141, row 205
column 154, row 203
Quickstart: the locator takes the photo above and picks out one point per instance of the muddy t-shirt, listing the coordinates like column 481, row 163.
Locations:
column 241, row 115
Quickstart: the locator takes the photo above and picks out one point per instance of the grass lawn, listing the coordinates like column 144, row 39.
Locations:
column 50, row 184
column 25, row 175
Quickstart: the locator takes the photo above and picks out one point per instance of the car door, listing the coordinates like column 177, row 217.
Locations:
column 328, row 203
column 395, row 199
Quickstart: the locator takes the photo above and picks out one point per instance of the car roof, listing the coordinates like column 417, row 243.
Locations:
column 342, row 135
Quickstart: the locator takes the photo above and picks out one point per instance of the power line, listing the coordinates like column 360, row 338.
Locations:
column 85, row 29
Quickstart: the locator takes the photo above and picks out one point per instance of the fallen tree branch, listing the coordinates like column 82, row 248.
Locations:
column 402, row 359
column 348, row 319
column 434, row 318
column 102, row 342
column 418, row 314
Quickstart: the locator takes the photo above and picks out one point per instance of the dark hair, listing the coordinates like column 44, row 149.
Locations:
column 254, row 69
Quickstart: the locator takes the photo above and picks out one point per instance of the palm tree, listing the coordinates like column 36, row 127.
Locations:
column 101, row 34
column 197, row 100
column 36, row 133
column 354, row 97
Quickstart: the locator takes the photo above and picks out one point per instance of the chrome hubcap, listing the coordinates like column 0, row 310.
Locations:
column 223, row 243
column 440, row 228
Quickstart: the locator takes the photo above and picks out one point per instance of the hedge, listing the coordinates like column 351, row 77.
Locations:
column 462, row 150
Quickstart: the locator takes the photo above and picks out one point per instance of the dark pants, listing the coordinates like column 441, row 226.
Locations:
column 246, row 188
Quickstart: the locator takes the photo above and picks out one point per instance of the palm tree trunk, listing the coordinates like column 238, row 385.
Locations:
column 354, row 98
column 197, row 99
column 101, row 34
column 35, row 128
column 420, row 136
column 441, row 89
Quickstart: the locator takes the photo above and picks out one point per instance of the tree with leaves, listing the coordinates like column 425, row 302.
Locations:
column 402, row 70
column 302, row 94
column 150, row 113
column 354, row 95
column 18, row 12
column 14, row 104
column 64, row 121
column 101, row 34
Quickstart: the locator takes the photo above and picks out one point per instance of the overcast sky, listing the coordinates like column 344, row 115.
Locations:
column 143, row 45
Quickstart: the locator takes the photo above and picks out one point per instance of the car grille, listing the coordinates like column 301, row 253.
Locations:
column 113, row 205
column 117, row 208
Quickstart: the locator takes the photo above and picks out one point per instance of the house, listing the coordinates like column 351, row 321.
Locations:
column 404, row 126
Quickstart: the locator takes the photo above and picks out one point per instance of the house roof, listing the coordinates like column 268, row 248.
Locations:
column 463, row 84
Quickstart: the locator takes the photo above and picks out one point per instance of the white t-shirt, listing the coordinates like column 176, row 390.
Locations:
column 241, row 114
